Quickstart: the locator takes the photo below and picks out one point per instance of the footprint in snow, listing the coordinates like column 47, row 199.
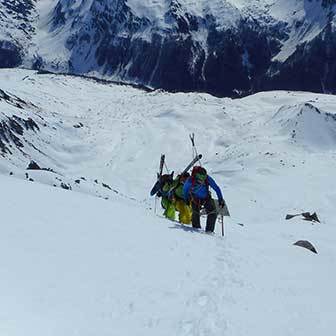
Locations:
column 202, row 300
column 187, row 327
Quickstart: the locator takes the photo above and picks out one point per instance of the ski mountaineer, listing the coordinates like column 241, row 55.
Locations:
column 196, row 190
column 171, row 192
column 176, row 195
column 162, row 189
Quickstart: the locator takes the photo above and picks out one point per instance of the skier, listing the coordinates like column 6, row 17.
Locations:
column 171, row 191
column 162, row 188
column 196, row 190
column 176, row 194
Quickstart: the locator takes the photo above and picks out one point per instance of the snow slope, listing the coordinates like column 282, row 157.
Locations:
column 73, row 264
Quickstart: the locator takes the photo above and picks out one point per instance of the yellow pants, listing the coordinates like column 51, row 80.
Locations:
column 184, row 210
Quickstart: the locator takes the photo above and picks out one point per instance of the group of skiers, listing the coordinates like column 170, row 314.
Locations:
column 187, row 194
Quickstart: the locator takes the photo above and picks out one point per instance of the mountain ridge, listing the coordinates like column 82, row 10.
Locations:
column 226, row 48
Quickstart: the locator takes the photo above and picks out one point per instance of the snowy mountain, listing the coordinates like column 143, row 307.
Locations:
column 16, row 30
column 224, row 47
column 82, row 250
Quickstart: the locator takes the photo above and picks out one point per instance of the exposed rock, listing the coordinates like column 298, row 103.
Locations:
column 311, row 217
column 16, row 24
column 79, row 125
column 10, row 55
column 33, row 166
column 306, row 216
column 66, row 186
column 48, row 169
column 306, row 244
column 106, row 186
column 313, row 63
column 12, row 130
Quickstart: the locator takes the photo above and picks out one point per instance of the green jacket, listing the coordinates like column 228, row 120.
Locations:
column 173, row 189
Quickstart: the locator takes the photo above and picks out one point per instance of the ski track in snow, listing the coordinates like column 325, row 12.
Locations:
column 113, row 267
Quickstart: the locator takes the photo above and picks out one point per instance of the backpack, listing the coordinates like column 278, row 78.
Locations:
column 178, row 185
column 167, row 178
column 163, row 181
column 166, row 182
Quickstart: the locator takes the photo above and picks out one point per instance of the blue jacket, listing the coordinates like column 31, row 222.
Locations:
column 200, row 191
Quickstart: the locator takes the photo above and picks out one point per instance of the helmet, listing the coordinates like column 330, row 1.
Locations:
column 198, row 170
column 199, row 174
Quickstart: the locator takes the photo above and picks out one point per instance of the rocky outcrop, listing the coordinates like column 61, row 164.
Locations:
column 10, row 55
column 12, row 128
column 33, row 166
column 312, row 67
column 16, row 30
column 306, row 244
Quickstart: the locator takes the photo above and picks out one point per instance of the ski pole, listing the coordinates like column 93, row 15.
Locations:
column 159, row 174
column 155, row 204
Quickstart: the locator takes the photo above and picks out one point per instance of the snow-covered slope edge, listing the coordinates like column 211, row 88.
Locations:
column 30, row 132
column 80, row 129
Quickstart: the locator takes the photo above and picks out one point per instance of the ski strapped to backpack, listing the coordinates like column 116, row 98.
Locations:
column 157, row 185
column 192, row 163
column 162, row 161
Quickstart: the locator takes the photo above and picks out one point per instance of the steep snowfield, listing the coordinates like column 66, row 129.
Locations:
column 306, row 20
column 46, row 39
column 154, row 10
column 78, row 265
column 73, row 264
column 307, row 124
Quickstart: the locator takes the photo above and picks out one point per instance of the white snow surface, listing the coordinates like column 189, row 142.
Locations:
column 76, row 264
